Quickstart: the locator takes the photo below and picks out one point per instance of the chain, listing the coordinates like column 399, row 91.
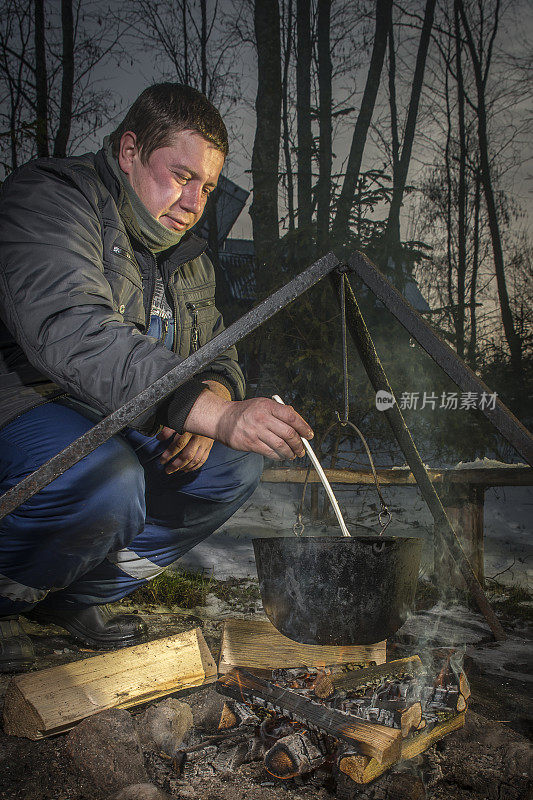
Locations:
column 344, row 352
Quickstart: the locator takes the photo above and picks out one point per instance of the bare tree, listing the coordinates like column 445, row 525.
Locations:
column 481, row 56
column 265, row 157
column 287, row 31
column 303, row 113
column 48, row 71
column 41, row 82
column 193, row 44
column 67, row 80
column 392, row 234
column 325, row 125
column 15, row 68
column 340, row 228
column 461, row 194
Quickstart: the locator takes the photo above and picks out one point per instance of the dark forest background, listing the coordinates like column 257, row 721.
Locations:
column 398, row 129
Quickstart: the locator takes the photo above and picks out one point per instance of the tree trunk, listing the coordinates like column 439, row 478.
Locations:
column 41, row 83
column 513, row 340
column 449, row 248
column 325, row 126
column 203, row 45
column 341, row 223
column 393, row 223
column 67, row 82
column 286, row 131
column 395, row 139
column 461, row 195
column 303, row 112
column 265, row 156
column 185, row 40
column 472, row 343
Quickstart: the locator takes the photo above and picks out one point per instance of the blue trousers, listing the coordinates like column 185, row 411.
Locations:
column 112, row 521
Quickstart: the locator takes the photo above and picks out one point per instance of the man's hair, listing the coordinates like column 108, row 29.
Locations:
column 163, row 110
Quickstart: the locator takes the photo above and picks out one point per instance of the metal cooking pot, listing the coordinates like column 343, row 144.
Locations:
column 337, row 590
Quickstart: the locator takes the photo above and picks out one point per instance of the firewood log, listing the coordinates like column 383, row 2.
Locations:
column 293, row 755
column 464, row 686
column 354, row 766
column 325, row 684
column 228, row 718
column 381, row 742
column 365, row 771
column 410, row 718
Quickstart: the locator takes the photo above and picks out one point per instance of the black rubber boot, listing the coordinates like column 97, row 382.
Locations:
column 16, row 649
column 93, row 626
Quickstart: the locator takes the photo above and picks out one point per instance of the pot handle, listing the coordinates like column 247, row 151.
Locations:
column 384, row 516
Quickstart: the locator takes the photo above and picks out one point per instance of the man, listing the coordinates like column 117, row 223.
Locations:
column 103, row 290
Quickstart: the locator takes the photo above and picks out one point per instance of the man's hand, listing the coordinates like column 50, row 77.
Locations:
column 185, row 452
column 259, row 425
column 193, row 449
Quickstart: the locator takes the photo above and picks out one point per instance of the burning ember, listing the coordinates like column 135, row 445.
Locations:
column 360, row 721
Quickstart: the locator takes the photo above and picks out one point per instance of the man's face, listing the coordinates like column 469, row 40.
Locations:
column 176, row 181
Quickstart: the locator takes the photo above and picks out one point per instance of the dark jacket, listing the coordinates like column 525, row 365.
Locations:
column 75, row 295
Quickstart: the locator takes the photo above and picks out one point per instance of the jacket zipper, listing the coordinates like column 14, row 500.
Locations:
column 195, row 330
column 151, row 288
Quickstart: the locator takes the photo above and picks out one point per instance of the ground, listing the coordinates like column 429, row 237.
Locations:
column 500, row 676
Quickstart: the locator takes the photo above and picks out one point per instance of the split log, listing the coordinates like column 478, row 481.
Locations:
column 234, row 714
column 326, row 684
column 375, row 740
column 293, row 755
column 464, row 686
column 228, row 718
column 354, row 766
column 257, row 645
column 410, row 718
column 461, row 703
column 363, row 769
column 39, row 704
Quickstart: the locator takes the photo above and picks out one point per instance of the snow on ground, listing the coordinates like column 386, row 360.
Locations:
column 271, row 511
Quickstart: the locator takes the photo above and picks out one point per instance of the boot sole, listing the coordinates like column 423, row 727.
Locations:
column 15, row 665
column 81, row 637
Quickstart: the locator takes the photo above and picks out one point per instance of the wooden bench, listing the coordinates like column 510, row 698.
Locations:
column 461, row 490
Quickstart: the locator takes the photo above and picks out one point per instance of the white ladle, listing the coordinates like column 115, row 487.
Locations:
column 322, row 476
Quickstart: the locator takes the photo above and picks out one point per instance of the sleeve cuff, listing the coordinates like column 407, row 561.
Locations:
column 210, row 375
column 175, row 409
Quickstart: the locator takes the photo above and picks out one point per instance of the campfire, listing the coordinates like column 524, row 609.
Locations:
column 359, row 720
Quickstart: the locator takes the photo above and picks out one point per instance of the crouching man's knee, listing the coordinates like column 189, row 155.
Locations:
column 228, row 477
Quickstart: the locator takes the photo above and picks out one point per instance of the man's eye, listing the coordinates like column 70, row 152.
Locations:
column 183, row 179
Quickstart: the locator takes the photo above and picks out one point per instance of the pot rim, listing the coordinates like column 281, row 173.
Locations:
column 371, row 538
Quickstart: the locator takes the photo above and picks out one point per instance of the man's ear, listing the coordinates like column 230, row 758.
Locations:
column 127, row 151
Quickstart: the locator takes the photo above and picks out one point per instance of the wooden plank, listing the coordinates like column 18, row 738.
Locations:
column 53, row 700
column 363, row 769
column 512, row 475
column 256, row 644
column 393, row 477
column 378, row 741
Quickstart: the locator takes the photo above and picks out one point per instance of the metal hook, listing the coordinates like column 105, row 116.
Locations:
column 384, row 513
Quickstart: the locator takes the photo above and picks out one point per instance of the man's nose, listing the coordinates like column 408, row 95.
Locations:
column 193, row 199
